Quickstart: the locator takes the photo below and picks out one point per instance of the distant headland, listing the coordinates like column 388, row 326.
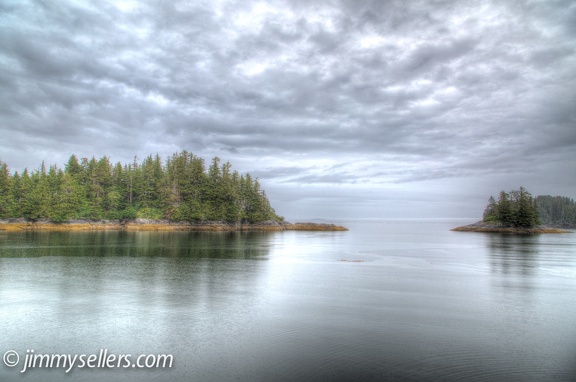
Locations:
column 516, row 212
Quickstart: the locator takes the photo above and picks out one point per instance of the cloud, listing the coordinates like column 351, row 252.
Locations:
column 309, row 93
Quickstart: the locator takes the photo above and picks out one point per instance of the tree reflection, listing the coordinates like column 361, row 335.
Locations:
column 513, row 254
column 221, row 245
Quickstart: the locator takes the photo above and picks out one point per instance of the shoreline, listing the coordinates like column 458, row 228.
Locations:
column 495, row 228
column 15, row 225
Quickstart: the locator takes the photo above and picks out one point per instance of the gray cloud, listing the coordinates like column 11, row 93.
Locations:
column 300, row 93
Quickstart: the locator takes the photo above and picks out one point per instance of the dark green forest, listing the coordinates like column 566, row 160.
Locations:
column 182, row 188
column 518, row 208
column 556, row 211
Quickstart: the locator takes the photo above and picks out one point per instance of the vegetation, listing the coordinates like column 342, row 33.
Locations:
column 513, row 209
column 181, row 189
column 518, row 209
column 556, row 211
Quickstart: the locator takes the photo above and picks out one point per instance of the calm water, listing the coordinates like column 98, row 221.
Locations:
column 387, row 300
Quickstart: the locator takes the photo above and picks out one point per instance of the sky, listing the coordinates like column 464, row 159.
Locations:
column 342, row 109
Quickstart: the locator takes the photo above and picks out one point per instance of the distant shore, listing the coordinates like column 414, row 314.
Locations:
column 495, row 228
column 161, row 225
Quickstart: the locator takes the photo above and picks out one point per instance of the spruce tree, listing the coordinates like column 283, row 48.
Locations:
column 68, row 202
column 504, row 210
column 525, row 214
column 6, row 197
column 182, row 189
column 17, row 196
column 515, row 209
column 491, row 211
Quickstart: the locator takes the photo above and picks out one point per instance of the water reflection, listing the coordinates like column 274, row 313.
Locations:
column 238, row 245
column 419, row 310
column 513, row 254
column 189, row 293
column 514, row 264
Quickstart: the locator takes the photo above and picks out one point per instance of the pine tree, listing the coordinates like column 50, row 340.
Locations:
column 490, row 212
column 74, row 169
column 557, row 211
column 68, row 202
column 37, row 203
column 504, row 210
column 525, row 214
column 17, row 193
column 6, row 197
column 213, row 194
column 182, row 189
column 26, row 204
column 515, row 209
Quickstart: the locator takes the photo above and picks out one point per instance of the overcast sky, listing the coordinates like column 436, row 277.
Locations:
column 341, row 108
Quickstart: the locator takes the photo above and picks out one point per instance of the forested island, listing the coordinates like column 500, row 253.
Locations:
column 518, row 212
column 180, row 193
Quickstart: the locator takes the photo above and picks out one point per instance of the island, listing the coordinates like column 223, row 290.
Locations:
column 179, row 194
column 517, row 212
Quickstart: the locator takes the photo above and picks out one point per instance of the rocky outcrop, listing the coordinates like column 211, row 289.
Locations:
column 498, row 228
column 314, row 227
column 161, row 225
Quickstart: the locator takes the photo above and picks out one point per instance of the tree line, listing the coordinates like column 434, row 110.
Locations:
column 181, row 189
column 518, row 208
column 556, row 211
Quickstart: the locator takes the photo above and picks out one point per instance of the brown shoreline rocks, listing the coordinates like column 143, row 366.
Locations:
column 161, row 225
column 496, row 228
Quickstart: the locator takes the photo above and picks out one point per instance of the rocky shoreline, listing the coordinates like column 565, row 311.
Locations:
column 496, row 228
column 161, row 225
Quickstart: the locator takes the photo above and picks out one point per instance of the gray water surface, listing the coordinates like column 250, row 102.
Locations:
column 387, row 300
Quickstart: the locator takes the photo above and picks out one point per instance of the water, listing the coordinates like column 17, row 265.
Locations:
column 387, row 300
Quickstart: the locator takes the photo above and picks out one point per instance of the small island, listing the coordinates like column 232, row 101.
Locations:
column 516, row 212
column 178, row 195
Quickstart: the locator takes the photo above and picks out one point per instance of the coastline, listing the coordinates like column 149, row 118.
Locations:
column 13, row 225
column 495, row 228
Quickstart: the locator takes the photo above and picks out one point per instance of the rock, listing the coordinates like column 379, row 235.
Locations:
column 481, row 226
column 161, row 225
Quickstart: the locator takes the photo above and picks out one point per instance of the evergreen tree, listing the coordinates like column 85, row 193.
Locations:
column 175, row 187
column 213, row 194
column 54, row 179
column 26, row 205
column 74, row 169
column 557, row 211
column 182, row 189
column 525, row 213
column 6, row 197
column 491, row 211
column 504, row 210
column 68, row 202
column 38, row 198
column 513, row 209
column 17, row 195
column 194, row 197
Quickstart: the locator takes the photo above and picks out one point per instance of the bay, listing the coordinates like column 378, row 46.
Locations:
column 387, row 300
